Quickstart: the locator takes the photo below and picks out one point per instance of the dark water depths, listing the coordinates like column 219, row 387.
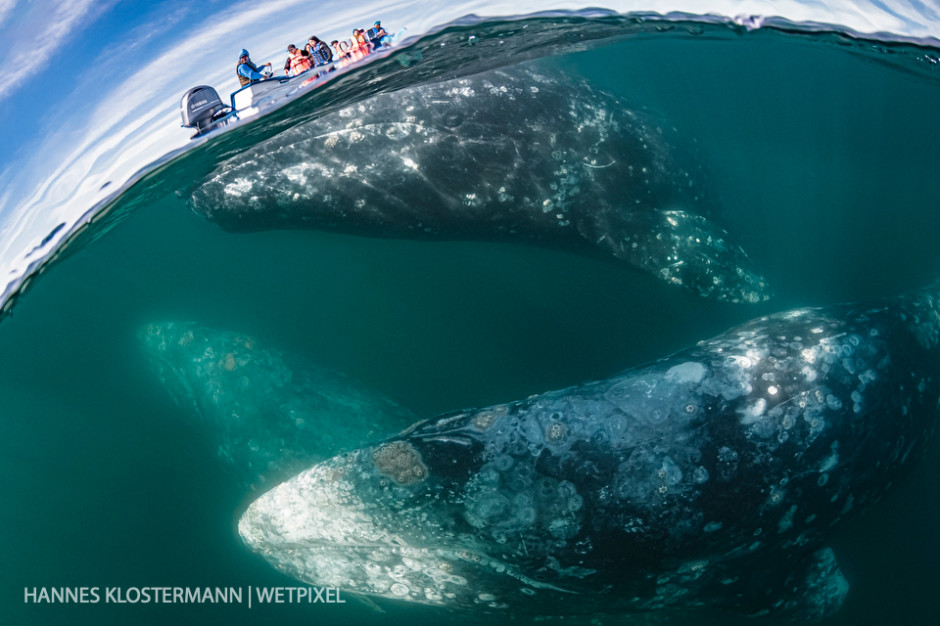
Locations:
column 825, row 165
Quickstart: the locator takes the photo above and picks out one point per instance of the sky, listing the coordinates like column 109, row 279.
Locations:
column 91, row 88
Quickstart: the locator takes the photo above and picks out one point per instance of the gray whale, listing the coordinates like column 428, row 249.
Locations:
column 270, row 414
column 714, row 477
column 508, row 155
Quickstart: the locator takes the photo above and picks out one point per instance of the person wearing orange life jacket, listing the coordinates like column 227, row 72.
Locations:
column 298, row 62
column 358, row 46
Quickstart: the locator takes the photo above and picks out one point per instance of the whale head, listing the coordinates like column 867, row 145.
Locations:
column 408, row 519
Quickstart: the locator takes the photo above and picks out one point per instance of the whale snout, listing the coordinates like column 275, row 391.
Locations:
column 325, row 526
column 362, row 521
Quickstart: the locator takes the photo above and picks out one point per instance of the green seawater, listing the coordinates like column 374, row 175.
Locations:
column 825, row 165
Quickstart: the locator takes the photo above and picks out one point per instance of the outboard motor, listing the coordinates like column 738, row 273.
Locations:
column 201, row 108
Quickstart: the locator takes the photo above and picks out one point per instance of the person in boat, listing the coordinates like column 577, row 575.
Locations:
column 359, row 47
column 340, row 52
column 319, row 52
column 298, row 63
column 247, row 71
column 288, row 62
column 378, row 36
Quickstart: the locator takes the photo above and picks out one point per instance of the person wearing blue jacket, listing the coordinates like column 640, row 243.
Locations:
column 247, row 71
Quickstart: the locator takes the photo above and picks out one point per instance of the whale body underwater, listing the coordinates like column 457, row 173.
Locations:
column 713, row 477
column 270, row 414
column 508, row 155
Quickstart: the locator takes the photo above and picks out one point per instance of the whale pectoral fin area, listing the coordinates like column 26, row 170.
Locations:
column 681, row 248
column 815, row 591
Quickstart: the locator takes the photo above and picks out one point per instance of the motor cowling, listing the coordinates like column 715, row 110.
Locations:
column 201, row 107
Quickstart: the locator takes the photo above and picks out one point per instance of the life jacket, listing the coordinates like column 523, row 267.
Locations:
column 299, row 63
column 372, row 34
column 322, row 53
column 244, row 80
column 359, row 47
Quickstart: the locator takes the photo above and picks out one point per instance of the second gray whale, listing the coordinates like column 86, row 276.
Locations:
column 712, row 478
column 507, row 155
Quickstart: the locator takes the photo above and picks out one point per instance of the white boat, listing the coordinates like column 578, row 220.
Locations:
column 201, row 107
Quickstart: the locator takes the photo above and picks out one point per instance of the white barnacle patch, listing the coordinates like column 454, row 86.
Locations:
column 755, row 355
column 410, row 164
column 690, row 373
column 741, row 362
column 297, row 174
column 466, row 92
column 397, row 131
column 556, row 433
column 350, row 169
column 238, row 187
column 754, row 411
column 808, row 355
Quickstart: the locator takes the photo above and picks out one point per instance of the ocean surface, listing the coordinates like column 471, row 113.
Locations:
column 822, row 157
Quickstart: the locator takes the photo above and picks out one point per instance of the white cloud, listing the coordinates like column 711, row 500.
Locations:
column 32, row 51
column 6, row 7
